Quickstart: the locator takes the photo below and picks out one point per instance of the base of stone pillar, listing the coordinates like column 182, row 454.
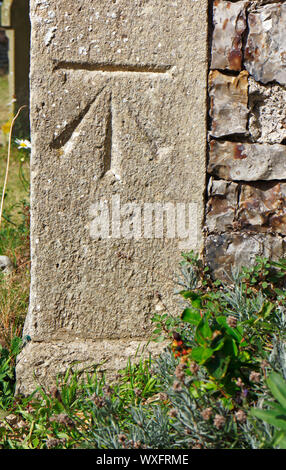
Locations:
column 40, row 363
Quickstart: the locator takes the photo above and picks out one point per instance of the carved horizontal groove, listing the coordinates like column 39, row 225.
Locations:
column 102, row 67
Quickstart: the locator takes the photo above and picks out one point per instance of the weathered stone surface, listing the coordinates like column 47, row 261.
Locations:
column 118, row 108
column 267, row 112
column 229, row 21
column 247, row 162
column 262, row 207
column 233, row 250
column 228, row 103
column 221, row 205
column 265, row 52
column 49, row 359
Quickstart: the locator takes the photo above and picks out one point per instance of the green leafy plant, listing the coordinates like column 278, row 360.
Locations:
column 275, row 415
column 198, row 393
column 7, row 372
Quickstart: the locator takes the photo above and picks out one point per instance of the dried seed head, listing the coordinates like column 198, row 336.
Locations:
column 63, row 419
column 173, row 413
column 107, row 390
column 219, row 421
column 244, row 393
column 180, row 375
column 240, row 416
column 50, row 443
column 100, row 402
column 194, row 368
column 239, row 382
column 162, row 396
column 121, row 438
column 137, row 445
column 254, row 377
column 206, row 414
column 231, row 321
column 181, row 367
column 197, row 446
column 177, row 386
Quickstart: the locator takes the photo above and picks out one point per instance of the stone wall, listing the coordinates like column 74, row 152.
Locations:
column 246, row 195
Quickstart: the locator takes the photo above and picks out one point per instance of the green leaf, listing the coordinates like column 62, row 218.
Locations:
column 280, row 440
column 157, row 331
column 16, row 345
column 35, row 442
column 62, row 435
column 265, row 310
column 203, row 332
column 236, row 333
column 271, row 417
column 159, row 339
column 280, row 292
column 217, row 367
column 277, row 385
column 191, row 316
column 194, row 298
column 201, row 354
column 218, row 343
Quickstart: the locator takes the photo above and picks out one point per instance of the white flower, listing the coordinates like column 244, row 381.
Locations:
column 23, row 144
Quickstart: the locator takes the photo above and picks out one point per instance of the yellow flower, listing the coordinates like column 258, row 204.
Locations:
column 6, row 126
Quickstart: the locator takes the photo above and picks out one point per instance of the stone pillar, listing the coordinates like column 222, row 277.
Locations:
column 118, row 120
column 15, row 19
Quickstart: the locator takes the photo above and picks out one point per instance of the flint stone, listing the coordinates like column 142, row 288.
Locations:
column 247, row 162
column 267, row 112
column 221, row 205
column 229, row 99
column 6, row 265
column 118, row 100
column 262, row 207
column 256, row 207
column 265, row 52
column 233, row 250
column 229, row 21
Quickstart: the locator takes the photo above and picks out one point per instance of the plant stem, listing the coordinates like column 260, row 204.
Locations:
column 8, row 161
